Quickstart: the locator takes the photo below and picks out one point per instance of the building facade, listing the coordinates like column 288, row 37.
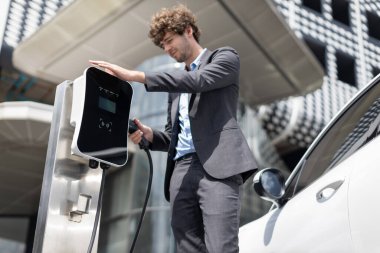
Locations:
column 345, row 38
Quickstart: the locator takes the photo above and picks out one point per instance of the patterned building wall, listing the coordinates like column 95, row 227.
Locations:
column 345, row 37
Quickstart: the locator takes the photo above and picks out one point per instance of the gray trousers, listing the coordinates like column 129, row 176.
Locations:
column 205, row 210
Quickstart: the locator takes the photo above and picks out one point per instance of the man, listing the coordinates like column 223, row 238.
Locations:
column 208, row 156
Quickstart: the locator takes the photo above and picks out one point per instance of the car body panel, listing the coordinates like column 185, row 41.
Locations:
column 364, row 205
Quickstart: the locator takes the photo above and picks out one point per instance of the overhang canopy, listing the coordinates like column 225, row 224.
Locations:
column 274, row 63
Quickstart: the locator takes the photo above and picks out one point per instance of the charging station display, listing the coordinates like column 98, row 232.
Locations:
column 101, row 119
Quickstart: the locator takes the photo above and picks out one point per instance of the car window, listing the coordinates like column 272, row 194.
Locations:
column 354, row 128
column 365, row 131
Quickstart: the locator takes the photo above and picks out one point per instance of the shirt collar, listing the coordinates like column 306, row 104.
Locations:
column 197, row 60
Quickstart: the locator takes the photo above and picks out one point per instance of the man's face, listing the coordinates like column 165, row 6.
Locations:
column 177, row 46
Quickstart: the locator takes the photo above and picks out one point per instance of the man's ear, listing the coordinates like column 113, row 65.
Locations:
column 189, row 30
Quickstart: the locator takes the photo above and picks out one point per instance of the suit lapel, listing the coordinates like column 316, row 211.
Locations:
column 175, row 109
column 204, row 59
column 194, row 98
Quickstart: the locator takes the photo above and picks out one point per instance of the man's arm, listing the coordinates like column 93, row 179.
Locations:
column 122, row 73
column 221, row 71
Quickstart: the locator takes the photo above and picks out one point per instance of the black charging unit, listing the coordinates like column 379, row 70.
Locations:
column 100, row 113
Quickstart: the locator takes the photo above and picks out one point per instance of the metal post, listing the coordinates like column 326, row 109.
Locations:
column 70, row 189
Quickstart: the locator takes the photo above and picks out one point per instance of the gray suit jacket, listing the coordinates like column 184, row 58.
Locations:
column 218, row 140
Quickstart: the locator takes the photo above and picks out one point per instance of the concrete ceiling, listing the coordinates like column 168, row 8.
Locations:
column 274, row 63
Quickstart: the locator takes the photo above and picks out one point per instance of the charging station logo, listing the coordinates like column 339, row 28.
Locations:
column 108, row 92
column 105, row 125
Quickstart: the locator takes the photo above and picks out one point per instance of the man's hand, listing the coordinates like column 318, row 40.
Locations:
column 119, row 72
column 144, row 130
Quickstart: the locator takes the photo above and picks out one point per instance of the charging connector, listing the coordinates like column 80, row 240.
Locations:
column 144, row 143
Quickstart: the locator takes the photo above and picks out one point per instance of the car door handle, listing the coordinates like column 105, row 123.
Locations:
column 328, row 191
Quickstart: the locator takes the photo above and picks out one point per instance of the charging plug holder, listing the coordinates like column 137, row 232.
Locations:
column 100, row 112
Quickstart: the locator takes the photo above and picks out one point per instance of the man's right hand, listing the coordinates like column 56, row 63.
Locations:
column 144, row 130
column 120, row 72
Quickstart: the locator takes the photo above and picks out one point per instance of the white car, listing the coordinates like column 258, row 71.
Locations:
column 331, row 201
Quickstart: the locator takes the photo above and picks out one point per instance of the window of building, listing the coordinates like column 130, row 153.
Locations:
column 313, row 4
column 346, row 68
column 340, row 11
column 14, row 234
column 373, row 22
column 375, row 71
column 318, row 49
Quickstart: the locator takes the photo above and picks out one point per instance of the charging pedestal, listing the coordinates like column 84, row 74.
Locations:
column 71, row 188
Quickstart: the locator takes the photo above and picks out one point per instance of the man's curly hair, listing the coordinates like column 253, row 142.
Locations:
column 175, row 19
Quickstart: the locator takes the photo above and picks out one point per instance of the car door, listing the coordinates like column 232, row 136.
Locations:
column 315, row 220
column 316, row 215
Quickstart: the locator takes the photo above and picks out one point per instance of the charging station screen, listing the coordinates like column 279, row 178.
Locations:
column 107, row 104
column 104, row 128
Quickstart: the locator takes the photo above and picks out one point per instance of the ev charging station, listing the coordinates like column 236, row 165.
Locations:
column 88, row 135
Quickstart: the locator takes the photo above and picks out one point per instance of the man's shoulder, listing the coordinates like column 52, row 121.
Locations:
column 227, row 50
column 224, row 49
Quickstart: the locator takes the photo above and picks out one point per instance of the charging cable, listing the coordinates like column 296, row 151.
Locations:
column 144, row 144
column 94, row 164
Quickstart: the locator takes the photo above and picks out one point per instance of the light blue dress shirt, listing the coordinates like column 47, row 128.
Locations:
column 185, row 143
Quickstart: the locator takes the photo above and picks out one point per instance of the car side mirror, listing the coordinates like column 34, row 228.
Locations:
column 269, row 184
